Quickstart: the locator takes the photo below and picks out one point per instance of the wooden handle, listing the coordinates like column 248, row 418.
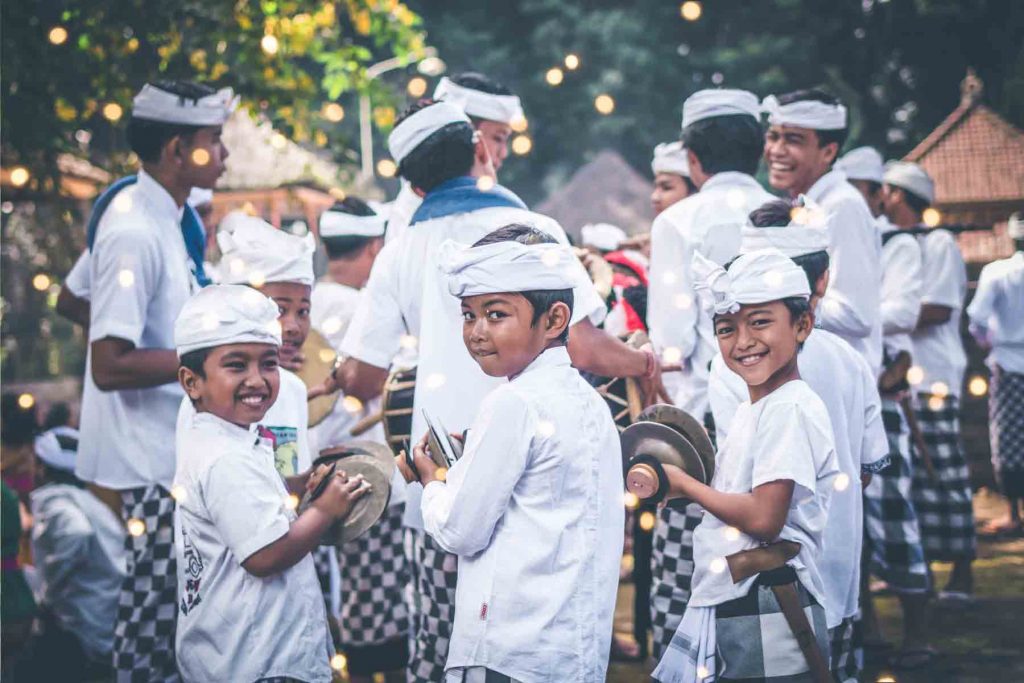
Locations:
column 366, row 424
column 642, row 480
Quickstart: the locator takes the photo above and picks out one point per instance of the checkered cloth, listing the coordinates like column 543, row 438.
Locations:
column 846, row 643
column 671, row 569
column 892, row 537
column 434, row 574
column 1006, row 430
column 943, row 505
column 147, row 610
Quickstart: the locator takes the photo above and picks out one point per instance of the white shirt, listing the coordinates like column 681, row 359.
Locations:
column 851, row 306
column 938, row 349
column 901, row 288
column 401, row 211
column 785, row 435
column 233, row 625
column 407, row 294
column 140, row 277
column 78, row 550
column 534, row 511
column 997, row 311
column 843, row 381
column 77, row 280
column 708, row 222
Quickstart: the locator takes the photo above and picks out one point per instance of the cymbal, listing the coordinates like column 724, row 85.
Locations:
column 665, row 445
column 377, row 450
column 367, row 510
column 691, row 429
column 318, row 364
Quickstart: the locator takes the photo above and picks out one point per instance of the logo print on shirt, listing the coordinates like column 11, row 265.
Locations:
column 193, row 566
column 286, row 449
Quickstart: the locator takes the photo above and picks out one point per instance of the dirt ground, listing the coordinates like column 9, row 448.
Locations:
column 979, row 641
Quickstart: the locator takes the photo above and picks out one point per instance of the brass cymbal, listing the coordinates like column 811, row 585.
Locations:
column 691, row 429
column 345, row 450
column 664, row 444
column 367, row 510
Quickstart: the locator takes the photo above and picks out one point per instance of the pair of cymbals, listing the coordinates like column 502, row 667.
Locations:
column 665, row 435
column 376, row 464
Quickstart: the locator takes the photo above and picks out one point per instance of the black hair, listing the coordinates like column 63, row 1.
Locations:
column 447, row 153
column 540, row 299
column 777, row 212
column 19, row 426
column 477, row 81
column 348, row 246
column 691, row 187
column 147, row 138
column 797, row 306
column 916, row 202
column 59, row 415
column 819, row 95
column 194, row 360
column 726, row 143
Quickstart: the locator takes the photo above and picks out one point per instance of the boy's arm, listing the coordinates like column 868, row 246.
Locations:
column 761, row 513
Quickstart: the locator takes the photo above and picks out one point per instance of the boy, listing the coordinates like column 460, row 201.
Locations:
column 845, row 383
column 533, row 508
column 773, row 482
column 248, row 593
column 672, row 181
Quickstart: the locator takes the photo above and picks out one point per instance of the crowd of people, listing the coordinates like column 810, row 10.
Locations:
column 812, row 327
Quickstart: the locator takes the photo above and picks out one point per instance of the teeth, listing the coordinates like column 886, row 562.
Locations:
column 751, row 360
column 777, row 166
column 252, row 400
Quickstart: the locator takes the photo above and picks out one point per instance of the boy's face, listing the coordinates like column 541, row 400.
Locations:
column 669, row 188
column 794, row 158
column 241, row 382
column 495, row 135
column 293, row 300
column 498, row 335
column 759, row 343
column 204, row 155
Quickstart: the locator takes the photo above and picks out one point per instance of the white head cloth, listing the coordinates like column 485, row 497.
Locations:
column 482, row 105
column 226, row 314
column 51, row 451
column 758, row 277
column 806, row 232
column 199, row 196
column 154, row 104
column 863, row 163
column 254, row 251
column 706, row 104
column 670, row 157
column 407, row 135
column 507, row 267
column 1015, row 227
column 805, row 114
column 911, row 177
column 343, row 224
column 603, row 236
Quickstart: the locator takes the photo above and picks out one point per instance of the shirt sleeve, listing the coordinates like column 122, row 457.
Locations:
column 850, row 305
column 375, row 333
column 77, row 280
column 982, row 306
column 125, row 271
column 462, row 513
column 60, row 541
column 901, row 301
column 672, row 306
column 788, row 446
column 874, row 446
column 245, row 503
column 944, row 268
column 723, row 397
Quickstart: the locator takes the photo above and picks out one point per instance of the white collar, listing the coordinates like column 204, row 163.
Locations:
column 229, row 428
column 726, row 178
column 826, row 184
column 548, row 358
column 158, row 196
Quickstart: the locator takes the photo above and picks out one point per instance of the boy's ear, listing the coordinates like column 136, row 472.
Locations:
column 558, row 317
column 804, row 326
column 190, row 382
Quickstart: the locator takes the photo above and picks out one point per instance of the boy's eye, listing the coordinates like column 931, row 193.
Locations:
column 303, row 312
column 723, row 330
column 235, row 365
column 468, row 316
column 496, row 315
column 761, row 322
column 270, row 364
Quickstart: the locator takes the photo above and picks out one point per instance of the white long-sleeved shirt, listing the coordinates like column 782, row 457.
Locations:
column 997, row 312
column 534, row 511
column 901, row 287
column 708, row 222
column 851, row 307
column 938, row 349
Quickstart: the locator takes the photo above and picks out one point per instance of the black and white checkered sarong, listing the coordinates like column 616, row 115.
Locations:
column 435, row 574
column 943, row 504
column 846, row 658
column 1006, row 430
column 147, row 610
column 892, row 536
column 671, row 570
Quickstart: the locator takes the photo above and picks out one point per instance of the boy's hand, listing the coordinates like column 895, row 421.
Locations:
column 314, row 476
column 426, row 469
column 341, row 494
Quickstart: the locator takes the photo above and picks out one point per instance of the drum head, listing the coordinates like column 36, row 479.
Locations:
column 664, row 444
column 688, row 426
column 318, row 364
column 368, row 509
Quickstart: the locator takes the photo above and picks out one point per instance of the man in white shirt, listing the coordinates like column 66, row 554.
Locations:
column 806, row 130
column 723, row 139
column 140, row 276
column 997, row 323
column 842, row 379
column 941, row 485
column 406, row 297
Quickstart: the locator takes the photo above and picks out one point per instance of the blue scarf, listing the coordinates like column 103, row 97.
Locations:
column 192, row 229
column 461, row 195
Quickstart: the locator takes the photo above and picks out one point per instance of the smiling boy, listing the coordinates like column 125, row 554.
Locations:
column 249, row 599
column 533, row 508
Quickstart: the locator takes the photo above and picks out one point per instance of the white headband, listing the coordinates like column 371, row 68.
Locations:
column 407, row 135
column 805, row 114
column 863, row 163
column 670, row 157
column 507, row 267
column 482, row 105
column 254, row 252
column 226, row 314
column 806, row 233
column 154, row 104
column 754, row 278
column 911, row 177
column 57, row 450
column 706, row 104
column 603, row 236
column 341, row 224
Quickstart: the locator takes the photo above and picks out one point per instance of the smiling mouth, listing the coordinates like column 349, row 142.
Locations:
column 480, row 354
column 253, row 400
column 780, row 167
column 751, row 359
